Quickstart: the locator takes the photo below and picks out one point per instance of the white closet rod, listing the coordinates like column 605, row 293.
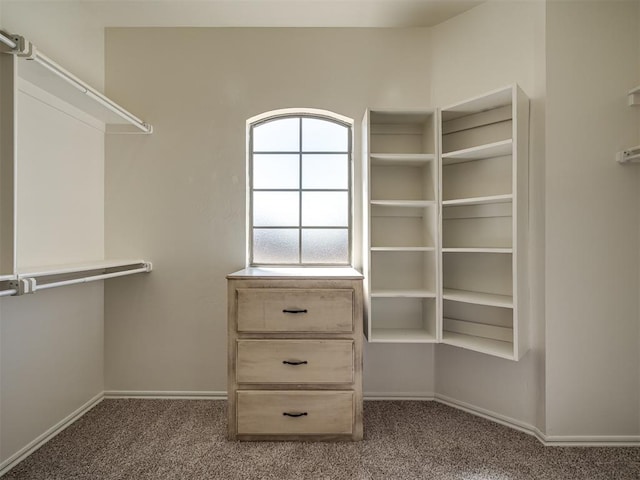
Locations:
column 91, row 278
column 7, row 41
column 56, row 69
column 6, row 293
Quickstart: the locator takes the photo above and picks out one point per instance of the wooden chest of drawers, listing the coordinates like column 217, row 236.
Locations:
column 295, row 354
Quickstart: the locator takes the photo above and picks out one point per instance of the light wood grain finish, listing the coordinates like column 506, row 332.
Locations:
column 307, row 361
column 294, row 412
column 331, row 344
column 274, row 310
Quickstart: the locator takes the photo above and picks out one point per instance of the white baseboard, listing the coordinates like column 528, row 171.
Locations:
column 418, row 396
column 31, row 447
column 166, row 395
column 547, row 440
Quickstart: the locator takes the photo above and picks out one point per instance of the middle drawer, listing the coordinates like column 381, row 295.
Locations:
column 294, row 361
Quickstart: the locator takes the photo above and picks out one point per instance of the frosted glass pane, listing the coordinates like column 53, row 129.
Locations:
column 325, row 209
column 275, row 245
column 324, row 136
column 277, row 136
column 325, row 171
column 325, row 246
column 275, row 209
column 276, row 171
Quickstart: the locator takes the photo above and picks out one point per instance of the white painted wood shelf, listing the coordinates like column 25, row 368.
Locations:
column 415, row 293
column 401, row 335
column 401, row 158
column 477, row 298
column 496, row 149
column 404, row 203
column 489, row 346
column 403, row 249
column 477, row 250
column 486, row 200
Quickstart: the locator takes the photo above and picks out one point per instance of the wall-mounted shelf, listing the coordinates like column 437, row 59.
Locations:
column 40, row 70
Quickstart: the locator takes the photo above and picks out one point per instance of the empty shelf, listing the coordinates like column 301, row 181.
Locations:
column 401, row 335
column 477, row 250
column 408, row 293
column 403, row 203
column 479, row 344
column 478, row 298
column 402, row 249
column 408, row 159
column 489, row 199
column 490, row 150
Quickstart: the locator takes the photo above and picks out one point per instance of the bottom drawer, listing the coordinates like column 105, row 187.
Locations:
column 294, row 412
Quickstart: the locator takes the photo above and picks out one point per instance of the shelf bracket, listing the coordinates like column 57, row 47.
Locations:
column 23, row 286
column 630, row 155
column 634, row 96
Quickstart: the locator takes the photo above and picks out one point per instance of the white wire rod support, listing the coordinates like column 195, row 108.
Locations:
column 81, row 267
column 56, row 69
column 91, row 278
column 7, row 41
column 631, row 155
column 25, row 49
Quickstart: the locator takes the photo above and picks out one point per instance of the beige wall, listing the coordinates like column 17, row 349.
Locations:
column 490, row 46
column 52, row 343
column 593, row 355
column 178, row 196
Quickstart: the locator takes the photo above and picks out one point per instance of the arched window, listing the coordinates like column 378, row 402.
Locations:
column 300, row 177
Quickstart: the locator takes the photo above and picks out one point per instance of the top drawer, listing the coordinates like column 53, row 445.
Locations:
column 295, row 310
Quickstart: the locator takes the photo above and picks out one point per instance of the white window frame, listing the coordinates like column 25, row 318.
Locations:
column 299, row 113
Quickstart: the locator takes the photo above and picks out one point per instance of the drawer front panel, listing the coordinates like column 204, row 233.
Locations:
column 295, row 310
column 294, row 361
column 294, row 413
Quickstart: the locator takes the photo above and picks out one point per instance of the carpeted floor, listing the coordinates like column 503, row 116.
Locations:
column 185, row 439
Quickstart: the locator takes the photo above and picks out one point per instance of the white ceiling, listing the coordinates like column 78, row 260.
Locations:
column 275, row 13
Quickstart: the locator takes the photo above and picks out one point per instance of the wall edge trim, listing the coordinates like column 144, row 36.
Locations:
column 50, row 433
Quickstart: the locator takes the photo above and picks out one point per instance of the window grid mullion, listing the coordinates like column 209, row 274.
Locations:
column 300, row 194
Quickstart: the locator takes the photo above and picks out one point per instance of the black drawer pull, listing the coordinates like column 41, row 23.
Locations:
column 295, row 415
column 295, row 362
column 294, row 310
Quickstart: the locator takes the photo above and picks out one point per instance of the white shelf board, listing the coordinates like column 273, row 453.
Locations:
column 73, row 92
column 408, row 159
column 477, row 250
column 402, row 249
column 489, row 199
column 403, row 293
column 479, row 344
column 400, row 335
column 42, row 271
column 478, row 298
column 5, row 278
column 495, row 99
column 489, row 150
column 403, row 203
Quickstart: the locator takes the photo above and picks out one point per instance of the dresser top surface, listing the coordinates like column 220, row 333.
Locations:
column 297, row 272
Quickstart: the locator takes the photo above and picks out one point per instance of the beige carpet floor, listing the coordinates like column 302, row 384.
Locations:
column 185, row 439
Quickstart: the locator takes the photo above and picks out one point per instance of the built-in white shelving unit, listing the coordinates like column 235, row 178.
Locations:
column 401, row 231
column 445, row 224
column 484, row 191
